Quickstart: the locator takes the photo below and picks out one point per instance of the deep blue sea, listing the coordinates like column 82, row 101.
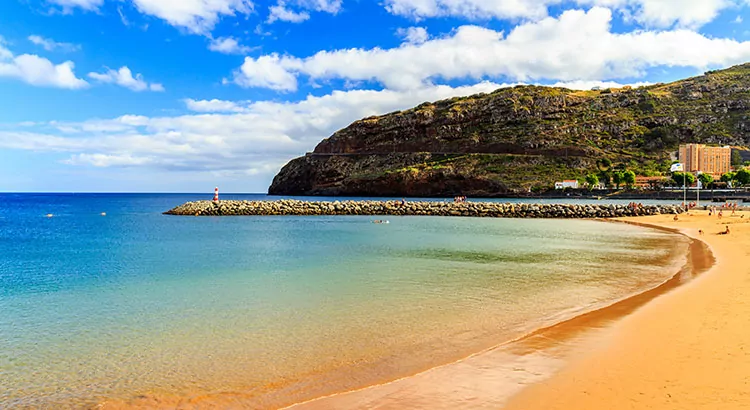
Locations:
column 104, row 298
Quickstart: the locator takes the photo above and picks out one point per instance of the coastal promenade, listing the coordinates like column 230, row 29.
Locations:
column 425, row 208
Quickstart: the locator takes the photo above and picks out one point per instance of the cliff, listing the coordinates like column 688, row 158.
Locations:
column 522, row 138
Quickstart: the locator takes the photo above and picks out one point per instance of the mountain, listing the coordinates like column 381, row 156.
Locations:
column 522, row 138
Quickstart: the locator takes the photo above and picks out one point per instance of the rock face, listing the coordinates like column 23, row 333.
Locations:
column 475, row 209
column 520, row 138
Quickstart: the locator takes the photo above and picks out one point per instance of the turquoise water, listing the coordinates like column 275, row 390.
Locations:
column 280, row 309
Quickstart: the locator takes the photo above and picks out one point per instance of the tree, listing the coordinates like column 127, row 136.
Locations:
column 592, row 180
column 736, row 158
column 728, row 177
column 628, row 178
column 605, row 179
column 743, row 176
column 706, row 180
column 679, row 177
column 617, row 178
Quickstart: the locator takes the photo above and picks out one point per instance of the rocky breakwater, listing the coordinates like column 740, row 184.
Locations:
column 472, row 209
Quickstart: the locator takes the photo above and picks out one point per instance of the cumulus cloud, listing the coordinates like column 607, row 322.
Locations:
column 248, row 138
column 280, row 12
column 576, row 45
column 38, row 71
column 196, row 16
column 213, row 105
column 413, row 35
column 124, row 78
column 269, row 71
column 228, row 45
column 658, row 13
column 52, row 45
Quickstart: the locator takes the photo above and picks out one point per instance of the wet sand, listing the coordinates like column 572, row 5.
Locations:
column 689, row 349
column 488, row 379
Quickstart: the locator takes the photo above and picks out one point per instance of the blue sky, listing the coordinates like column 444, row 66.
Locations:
column 184, row 95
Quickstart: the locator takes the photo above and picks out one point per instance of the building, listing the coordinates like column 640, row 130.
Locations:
column 568, row 183
column 710, row 160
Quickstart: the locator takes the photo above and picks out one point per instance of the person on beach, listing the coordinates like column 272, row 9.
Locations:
column 700, row 232
column 676, row 218
column 726, row 232
column 721, row 213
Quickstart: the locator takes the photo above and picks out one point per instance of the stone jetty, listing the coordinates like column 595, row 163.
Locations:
column 472, row 209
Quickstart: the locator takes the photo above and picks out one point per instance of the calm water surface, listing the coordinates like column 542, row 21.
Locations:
column 134, row 303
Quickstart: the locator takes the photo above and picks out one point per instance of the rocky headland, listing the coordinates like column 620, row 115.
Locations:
column 434, row 208
column 523, row 138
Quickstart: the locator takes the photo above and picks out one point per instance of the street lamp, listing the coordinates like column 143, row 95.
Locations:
column 698, row 177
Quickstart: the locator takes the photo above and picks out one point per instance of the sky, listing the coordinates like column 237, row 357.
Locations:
column 186, row 95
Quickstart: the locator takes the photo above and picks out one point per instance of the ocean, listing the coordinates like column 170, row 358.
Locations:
column 274, row 310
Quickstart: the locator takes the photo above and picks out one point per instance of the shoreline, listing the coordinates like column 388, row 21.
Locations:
column 557, row 339
column 688, row 349
column 552, row 338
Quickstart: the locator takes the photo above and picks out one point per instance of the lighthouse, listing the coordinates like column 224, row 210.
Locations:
column 216, row 194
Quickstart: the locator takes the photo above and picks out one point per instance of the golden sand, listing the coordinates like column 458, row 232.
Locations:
column 688, row 349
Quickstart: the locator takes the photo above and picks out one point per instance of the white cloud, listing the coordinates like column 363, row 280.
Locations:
column 123, row 17
column 69, row 5
column 269, row 71
column 197, row 16
column 252, row 139
column 577, row 45
column 52, row 45
column 664, row 13
column 658, row 13
column 282, row 13
column 413, row 35
column 5, row 54
column 124, row 78
column 212, row 105
column 104, row 160
column 284, row 10
column 228, row 45
column 473, row 9
column 738, row 20
column 38, row 71
column 589, row 84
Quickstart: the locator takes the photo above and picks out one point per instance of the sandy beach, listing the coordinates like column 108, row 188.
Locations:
column 676, row 347
column 688, row 349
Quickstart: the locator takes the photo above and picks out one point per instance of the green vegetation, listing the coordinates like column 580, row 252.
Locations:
column 706, row 179
column 592, row 180
column 628, row 178
column 728, row 177
column 528, row 137
column 743, row 177
column 682, row 178
column 618, row 178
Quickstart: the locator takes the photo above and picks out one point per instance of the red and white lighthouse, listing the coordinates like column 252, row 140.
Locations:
column 216, row 194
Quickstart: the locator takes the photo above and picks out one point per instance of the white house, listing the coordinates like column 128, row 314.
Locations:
column 568, row 183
